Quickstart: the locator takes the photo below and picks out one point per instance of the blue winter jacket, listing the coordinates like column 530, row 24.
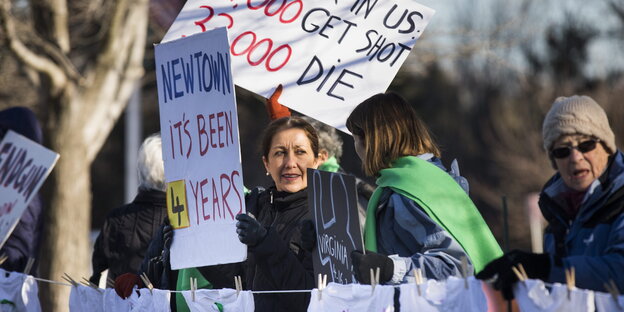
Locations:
column 593, row 242
column 404, row 229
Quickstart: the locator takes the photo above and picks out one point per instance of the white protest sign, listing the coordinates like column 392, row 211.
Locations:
column 24, row 165
column 199, row 129
column 329, row 55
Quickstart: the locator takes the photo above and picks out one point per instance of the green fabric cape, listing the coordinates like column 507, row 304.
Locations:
column 443, row 200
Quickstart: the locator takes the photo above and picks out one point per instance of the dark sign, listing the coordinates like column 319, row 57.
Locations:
column 332, row 198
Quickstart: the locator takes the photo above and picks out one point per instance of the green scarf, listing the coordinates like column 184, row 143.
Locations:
column 184, row 283
column 331, row 165
column 443, row 200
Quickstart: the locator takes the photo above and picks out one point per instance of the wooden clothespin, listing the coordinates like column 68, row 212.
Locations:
column 193, row 288
column 612, row 288
column 418, row 277
column 520, row 272
column 88, row 283
column 322, row 283
column 570, row 280
column 374, row 274
column 239, row 284
column 110, row 283
column 3, row 258
column 464, row 268
column 147, row 282
column 29, row 265
column 70, row 280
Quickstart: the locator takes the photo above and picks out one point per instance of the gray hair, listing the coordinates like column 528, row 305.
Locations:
column 329, row 139
column 150, row 166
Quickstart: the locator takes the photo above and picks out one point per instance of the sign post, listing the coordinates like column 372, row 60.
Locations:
column 199, row 129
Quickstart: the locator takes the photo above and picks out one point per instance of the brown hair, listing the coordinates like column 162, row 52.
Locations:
column 284, row 123
column 389, row 128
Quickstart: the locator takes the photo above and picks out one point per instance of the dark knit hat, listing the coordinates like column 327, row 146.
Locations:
column 577, row 115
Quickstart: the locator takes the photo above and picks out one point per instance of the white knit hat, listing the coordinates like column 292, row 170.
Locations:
column 577, row 115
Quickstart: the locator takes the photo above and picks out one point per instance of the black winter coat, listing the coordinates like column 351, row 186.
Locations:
column 279, row 262
column 126, row 234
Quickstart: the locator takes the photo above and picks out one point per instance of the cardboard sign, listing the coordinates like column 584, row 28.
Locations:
column 333, row 200
column 24, row 166
column 199, row 129
column 329, row 55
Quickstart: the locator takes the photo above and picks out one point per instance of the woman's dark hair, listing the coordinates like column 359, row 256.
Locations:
column 389, row 128
column 288, row 123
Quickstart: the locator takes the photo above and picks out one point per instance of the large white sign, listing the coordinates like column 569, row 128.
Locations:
column 330, row 55
column 199, row 129
column 24, row 165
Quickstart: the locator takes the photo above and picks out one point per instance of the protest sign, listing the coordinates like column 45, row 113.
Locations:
column 333, row 199
column 24, row 165
column 199, row 129
column 329, row 55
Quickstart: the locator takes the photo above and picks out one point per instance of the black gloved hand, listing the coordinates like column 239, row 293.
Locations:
column 535, row 265
column 308, row 235
column 362, row 263
column 250, row 231
column 167, row 238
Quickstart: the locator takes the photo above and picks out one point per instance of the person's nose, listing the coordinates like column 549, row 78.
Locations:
column 576, row 155
column 291, row 160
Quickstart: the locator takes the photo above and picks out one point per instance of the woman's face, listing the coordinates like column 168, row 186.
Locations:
column 578, row 169
column 289, row 156
column 359, row 147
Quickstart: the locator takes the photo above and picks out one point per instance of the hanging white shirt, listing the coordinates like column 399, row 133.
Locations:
column 19, row 292
column 84, row 298
column 454, row 294
column 532, row 295
column 155, row 301
column 606, row 303
column 209, row 300
column 352, row 297
column 113, row 303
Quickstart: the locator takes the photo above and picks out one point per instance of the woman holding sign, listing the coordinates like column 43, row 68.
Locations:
column 420, row 216
column 272, row 228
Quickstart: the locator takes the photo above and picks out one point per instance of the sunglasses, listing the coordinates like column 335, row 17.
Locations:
column 583, row 147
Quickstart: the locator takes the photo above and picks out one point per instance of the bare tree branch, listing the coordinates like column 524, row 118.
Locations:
column 55, row 22
column 38, row 62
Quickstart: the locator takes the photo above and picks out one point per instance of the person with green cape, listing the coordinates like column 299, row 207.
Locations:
column 420, row 215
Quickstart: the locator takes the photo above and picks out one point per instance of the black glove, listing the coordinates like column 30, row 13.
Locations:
column 362, row 263
column 250, row 231
column 167, row 237
column 308, row 235
column 537, row 266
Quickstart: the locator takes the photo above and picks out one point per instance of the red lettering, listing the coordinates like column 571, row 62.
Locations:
column 212, row 130
column 205, row 20
column 292, row 19
column 220, row 128
column 215, row 200
column 286, row 59
column 204, row 199
column 224, row 195
column 201, row 131
column 240, row 200
column 194, row 190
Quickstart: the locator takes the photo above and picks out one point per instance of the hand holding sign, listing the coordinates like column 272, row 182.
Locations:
column 250, row 231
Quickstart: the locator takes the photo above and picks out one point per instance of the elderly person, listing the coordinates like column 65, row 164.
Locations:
column 583, row 203
column 128, row 230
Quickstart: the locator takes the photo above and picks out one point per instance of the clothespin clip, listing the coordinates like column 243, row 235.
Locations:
column 193, row 288
column 239, row 284
column 322, row 283
column 110, row 283
column 374, row 274
column 419, row 279
column 29, row 265
column 464, row 268
column 70, row 280
column 520, row 272
column 3, row 258
column 147, row 282
column 88, row 283
column 570, row 280
column 612, row 288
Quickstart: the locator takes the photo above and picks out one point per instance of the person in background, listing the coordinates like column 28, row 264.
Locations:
column 272, row 228
column 24, row 241
column 127, row 231
column 419, row 216
column 583, row 203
